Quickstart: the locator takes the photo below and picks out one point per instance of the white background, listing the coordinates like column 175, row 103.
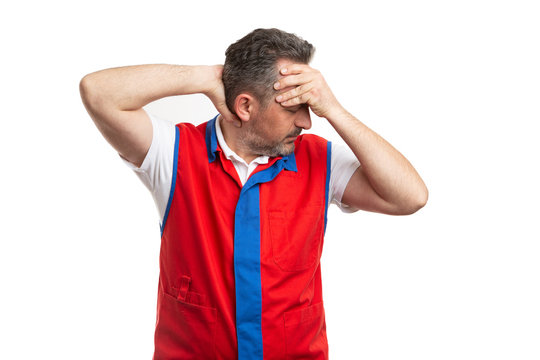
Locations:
column 453, row 85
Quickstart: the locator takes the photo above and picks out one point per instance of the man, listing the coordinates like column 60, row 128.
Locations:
column 243, row 197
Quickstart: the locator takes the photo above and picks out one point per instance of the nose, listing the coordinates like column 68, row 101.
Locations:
column 303, row 119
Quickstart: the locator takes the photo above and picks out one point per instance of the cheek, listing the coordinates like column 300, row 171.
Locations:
column 264, row 130
column 282, row 130
column 277, row 125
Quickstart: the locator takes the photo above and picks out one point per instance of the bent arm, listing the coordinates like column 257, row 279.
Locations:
column 386, row 182
column 114, row 99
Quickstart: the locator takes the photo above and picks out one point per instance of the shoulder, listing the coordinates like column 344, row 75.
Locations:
column 190, row 130
column 311, row 143
column 312, row 139
column 312, row 151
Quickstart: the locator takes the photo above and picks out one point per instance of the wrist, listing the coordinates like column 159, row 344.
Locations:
column 334, row 112
column 209, row 77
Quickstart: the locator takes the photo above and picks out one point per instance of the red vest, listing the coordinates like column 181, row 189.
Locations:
column 240, row 276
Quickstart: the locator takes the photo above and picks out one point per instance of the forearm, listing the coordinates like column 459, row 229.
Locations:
column 390, row 174
column 132, row 87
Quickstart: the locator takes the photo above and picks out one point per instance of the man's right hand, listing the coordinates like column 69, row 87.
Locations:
column 114, row 99
column 216, row 94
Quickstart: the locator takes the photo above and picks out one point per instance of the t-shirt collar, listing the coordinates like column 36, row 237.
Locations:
column 212, row 146
column 229, row 153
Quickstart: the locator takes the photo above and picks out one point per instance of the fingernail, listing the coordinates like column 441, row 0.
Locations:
column 279, row 98
column 284, row 70
column 276, row 85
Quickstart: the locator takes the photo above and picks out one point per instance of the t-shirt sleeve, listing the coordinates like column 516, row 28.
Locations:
column 343, row 165
column 156, row 170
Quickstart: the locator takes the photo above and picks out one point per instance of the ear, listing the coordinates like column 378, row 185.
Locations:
column 245, row 106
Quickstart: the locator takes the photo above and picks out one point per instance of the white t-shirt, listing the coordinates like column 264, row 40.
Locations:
column 156, row 170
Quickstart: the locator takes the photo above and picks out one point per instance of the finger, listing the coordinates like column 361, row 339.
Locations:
column 297, row 91
column 291, row 80
column 229, row 116
column 234, row 120
column 301, row 99
column 292, row 69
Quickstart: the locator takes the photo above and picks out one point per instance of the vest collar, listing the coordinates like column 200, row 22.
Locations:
column 212, row 147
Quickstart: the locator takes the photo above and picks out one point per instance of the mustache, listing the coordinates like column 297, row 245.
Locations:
column 296, row 132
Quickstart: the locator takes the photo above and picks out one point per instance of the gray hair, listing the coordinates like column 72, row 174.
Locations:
column 250, row 63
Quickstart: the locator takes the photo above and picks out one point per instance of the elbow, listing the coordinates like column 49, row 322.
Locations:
column 90, row 94
column 420, row 205
column 413, row 206
column 420, row 202
column 86, row 89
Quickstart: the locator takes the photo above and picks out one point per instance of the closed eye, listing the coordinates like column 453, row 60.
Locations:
column 295, row 108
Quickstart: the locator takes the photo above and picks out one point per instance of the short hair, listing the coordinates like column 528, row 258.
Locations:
column 250, row 63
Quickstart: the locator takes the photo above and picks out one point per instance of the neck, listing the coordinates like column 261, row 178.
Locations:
column 232, row 136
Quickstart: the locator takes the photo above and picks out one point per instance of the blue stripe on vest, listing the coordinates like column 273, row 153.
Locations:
column 247, row 243
column 328, row 173
column 211, row 139
column 173, row 180
column 247, row 262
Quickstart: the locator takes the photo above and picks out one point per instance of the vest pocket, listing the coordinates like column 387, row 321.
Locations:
column 305, row 333
column 184, row 330
column 296, row 237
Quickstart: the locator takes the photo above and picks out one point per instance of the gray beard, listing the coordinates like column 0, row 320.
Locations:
column 270, row 150
column 256, row 144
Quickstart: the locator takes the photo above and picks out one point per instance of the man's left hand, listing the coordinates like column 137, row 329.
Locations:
column 309, row 88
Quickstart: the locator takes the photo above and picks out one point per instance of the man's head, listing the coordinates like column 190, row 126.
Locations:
column 250, row 71
column 251, row 63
